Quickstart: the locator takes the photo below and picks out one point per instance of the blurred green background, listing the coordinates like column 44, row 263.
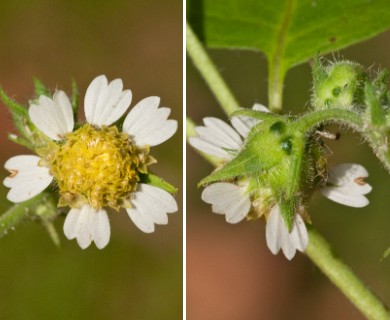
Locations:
column 231, row 274
column 137, row 276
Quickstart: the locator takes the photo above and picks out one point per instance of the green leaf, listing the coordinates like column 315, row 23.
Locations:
column 289, row 32
column 158, row 182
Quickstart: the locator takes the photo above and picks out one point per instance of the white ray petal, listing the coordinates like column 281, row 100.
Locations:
column 209, row 148
column 228, row 199
column 223, row 133
column 345, row 173
column 27, row 179
column 86, row 225
column 118, row 108
column 141, row 220
column 71, row 223
column 139, row 114
column 343, row 197
column 111, row 104
column 216, row 138
column 92, row 95
column 83, row 228
column 275, row 230
column 278, row 237
column 346, row 185
column 150, row 206
column 298, row 238
column 105, row 102
column 150, row 127
column 53, row 117
column 101, row 229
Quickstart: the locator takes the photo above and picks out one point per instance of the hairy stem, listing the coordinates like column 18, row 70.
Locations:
column 18, row 213
column 315, row 118
column 342, row 276
column 209, row 72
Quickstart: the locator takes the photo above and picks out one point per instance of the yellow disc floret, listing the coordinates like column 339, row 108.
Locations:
column 100, row 167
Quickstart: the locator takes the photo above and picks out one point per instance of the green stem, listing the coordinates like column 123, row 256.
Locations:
column 209, row 72
column 315, row 118
column 18, row 213
column 275, row 89
column 277, row 70
column 342, row 276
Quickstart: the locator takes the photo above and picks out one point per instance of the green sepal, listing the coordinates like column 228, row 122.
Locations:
column 41, row 89
column 376, row 112
column 19, row 113
column 381, row 83
column 158, row 182
column 257, row 156
column 295, row 172
column 14, row 107
column 318, row 71
column 287, row 209
column 256, row 114
column 74, row 97
column 20, row 141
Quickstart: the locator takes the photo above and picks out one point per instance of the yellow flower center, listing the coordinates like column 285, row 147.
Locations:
column 100, row 167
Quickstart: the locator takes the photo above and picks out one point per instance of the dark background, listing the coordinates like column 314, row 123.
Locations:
column 137, row 276
column 231, row 274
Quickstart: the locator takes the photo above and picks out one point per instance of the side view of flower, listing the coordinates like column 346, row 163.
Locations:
column 95, row 165
column 238, row 195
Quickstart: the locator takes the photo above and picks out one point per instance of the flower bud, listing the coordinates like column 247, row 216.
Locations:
column 338, row 85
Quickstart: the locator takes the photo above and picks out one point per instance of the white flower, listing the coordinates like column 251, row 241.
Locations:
column 229, row 199
column 278, row 237
column 219, row 139
column 145, row 125
column 233, row 200
column 345, row 185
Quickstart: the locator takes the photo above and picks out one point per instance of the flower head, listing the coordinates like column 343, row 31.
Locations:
column 241, row 198
column 96, row 166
